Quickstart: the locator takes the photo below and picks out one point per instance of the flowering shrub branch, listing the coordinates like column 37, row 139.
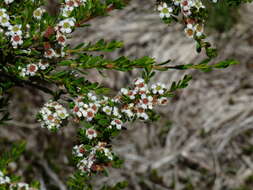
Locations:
column 192, row 14
column 13, row 182
column 34, row 52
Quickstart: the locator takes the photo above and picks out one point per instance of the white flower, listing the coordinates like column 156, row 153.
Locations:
column 50, row 53
column 38, row 13
column 85, row 164
column 189, row 30
column 61, row 39
column 31, row 69
column 158, row 88
column 4, row 21
column 2, row 12
column 128, row 112
column 66, row 11
column 94, row 106
column 107, row 110
column 90, row 114
column 66, row 25
column 142, row 115
column 62, row 113
column 4, row 179
column 8, row 1
column 16, row 40
column 108, row 153
column 91, row 133
column 77, row 111
column 165, row 11
column 146, row 102
column 116, row 112
column 78, row 151
column 118, row 123
column 124, row 91
column 74, row 3
column 140, row 85
column 131, row 94
column 92, row 96
column 187, row 4
column 14, row 30
column 139, row 81
column 177, row 2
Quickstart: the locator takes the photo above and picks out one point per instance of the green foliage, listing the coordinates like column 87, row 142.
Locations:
column 13, row 182
column 12, row 155
column 204, row 66
column 79, row 181
column 181, row 84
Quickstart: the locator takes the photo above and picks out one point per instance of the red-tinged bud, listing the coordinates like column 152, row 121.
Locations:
column 49, row 32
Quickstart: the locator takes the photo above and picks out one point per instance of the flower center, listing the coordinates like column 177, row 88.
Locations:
column 61, row 39
column 4, row 20
column 90, row 114
column 37, row 13
column 165, row 10
column 66, row 25
column 189, row 32
column 32, row 68
column 16, row 38
column 158, row 88
column 91, row 132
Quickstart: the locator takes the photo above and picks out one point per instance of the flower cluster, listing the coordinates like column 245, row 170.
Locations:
column 18, row 33
column 52, row 115
column 13, row 32
column 88, row 156
column 31, row 69
column 63, row 28
column 60, row 33
column 190, row 10
column 70, row 5
column 86, row 111
column 105, row 114
column 143, row 99
column 128, row 105
column 6, row 181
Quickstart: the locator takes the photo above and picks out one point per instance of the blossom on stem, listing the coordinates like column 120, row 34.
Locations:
column 52, row 114
column 38, row 13
column 165, row 11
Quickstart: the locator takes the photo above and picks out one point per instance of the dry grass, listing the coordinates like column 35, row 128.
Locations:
column 204, row 139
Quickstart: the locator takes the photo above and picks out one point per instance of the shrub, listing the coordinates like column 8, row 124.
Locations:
column 35, row 53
